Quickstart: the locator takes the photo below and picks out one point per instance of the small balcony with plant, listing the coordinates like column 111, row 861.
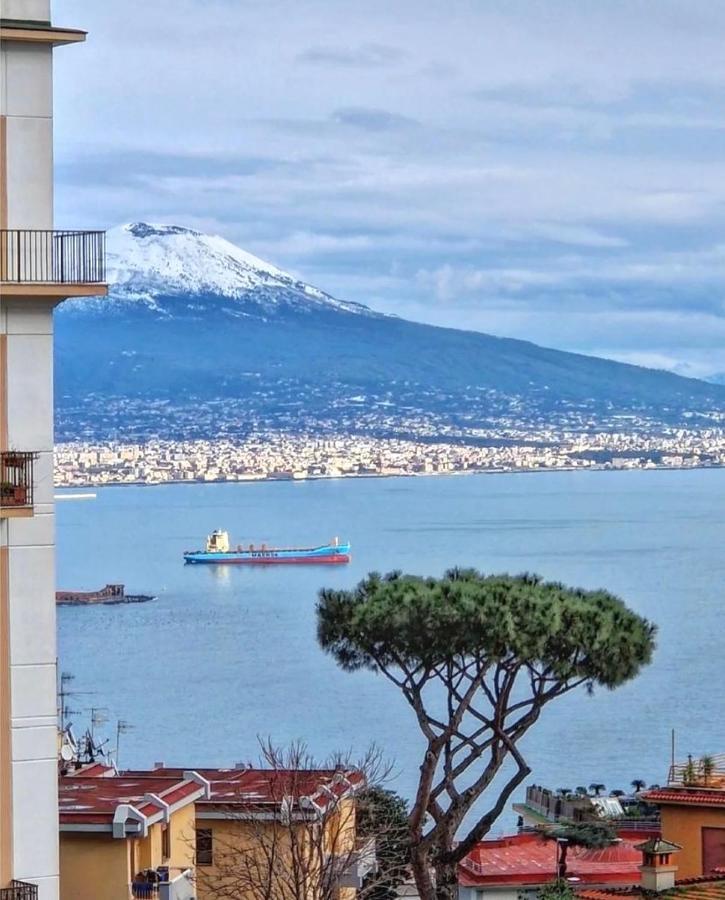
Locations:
column 16, row 483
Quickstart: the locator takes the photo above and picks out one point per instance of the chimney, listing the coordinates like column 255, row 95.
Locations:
column 658, row 871
column 159, row 765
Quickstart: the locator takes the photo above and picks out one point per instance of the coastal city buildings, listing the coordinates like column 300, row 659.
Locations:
column 39, row 267
column 277, row 455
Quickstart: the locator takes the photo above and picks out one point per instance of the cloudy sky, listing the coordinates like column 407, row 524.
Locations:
column 546, row 169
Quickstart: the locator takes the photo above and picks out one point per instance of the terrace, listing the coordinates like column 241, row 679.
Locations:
column 706, row 772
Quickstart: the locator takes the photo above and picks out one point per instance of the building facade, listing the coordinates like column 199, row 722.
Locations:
column 39, row 267
column 124, row 837
column 692, row 810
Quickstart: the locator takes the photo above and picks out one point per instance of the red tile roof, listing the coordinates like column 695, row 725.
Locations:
column 93, row 799
column 529, row 859
column 690, row 796
column 93, row 769
column 263, row 787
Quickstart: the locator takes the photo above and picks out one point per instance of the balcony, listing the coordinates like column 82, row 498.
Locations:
column 52, row 263
column 163, row 884
column 16, row 484
column 19, row 890
column 358, row 864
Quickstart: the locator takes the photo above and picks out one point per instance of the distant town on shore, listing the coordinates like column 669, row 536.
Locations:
column 276, row 456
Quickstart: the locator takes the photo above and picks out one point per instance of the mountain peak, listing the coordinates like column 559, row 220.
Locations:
column 158, row 265
column 146, row 229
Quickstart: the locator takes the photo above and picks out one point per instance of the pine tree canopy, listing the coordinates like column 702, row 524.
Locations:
column 417, row 623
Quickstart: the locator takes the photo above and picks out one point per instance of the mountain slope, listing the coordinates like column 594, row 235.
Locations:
column 191, row 319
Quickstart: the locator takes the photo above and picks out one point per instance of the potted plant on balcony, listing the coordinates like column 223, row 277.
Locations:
column 13, row 494
column 689, row 772
column 707, row 767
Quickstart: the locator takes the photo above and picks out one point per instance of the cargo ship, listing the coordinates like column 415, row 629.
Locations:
column 218, row 550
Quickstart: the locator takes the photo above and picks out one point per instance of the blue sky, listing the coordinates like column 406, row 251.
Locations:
column 545, row 169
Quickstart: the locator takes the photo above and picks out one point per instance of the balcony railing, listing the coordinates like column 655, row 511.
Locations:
column 52, row 257
column 164, row 884
column 707, row 772
column 19, row 890
column 16, row 479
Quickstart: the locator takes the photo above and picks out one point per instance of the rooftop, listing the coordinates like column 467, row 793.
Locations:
column 708, row 888
column 93, row 799
column 248, row 787
column 529, row 859
column 691, row 796
column 706, row 772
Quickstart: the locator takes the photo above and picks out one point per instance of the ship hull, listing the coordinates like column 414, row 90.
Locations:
column 322, row 556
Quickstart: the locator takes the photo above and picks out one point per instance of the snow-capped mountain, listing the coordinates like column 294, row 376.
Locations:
column 148, row 263
column 198, row 337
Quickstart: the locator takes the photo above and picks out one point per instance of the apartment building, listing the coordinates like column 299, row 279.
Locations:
column 124, row 837
column 278, row 832
column 39, row 267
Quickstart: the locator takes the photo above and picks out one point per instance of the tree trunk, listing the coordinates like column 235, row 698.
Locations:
column 563, row 848
column 422, row 874
column 446, row 886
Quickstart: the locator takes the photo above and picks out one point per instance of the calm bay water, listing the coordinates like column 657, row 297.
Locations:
column 226, row 654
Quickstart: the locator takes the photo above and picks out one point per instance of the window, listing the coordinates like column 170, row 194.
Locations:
column 204, row 847
column 166, row 841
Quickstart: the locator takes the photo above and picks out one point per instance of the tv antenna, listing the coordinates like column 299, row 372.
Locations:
column 64, row 710
column 122, row 727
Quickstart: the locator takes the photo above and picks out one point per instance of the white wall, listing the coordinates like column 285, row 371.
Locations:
column 26, row 10
column 31, row 563
column 26, row 97
column 503, row 892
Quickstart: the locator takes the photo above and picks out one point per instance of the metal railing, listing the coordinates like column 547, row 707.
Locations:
column 708, row 771
column 163, row 884
column 19, row 890
column 141, row 890
column 52, row 257
column 16, row 478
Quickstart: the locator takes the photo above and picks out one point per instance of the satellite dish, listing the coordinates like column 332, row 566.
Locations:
column 66, row 753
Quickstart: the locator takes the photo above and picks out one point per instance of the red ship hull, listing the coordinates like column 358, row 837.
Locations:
column 335, row 560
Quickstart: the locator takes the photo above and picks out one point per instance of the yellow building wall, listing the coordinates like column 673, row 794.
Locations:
column 148, row 851
column 93, row 866
column 183, row 838
column 683, row 825
column 101, row 867
column 233, row 837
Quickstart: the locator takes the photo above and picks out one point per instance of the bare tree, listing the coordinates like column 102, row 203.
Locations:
column 289, row 831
